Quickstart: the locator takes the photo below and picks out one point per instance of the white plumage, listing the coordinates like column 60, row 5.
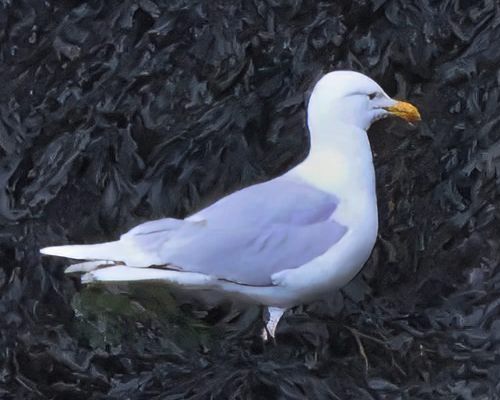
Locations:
column 278, row 243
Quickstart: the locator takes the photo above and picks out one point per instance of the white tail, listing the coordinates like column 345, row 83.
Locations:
column 101, row 251
column 124, row 250
column 122, row 273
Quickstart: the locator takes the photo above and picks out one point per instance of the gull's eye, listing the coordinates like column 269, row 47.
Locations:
column 371, row 96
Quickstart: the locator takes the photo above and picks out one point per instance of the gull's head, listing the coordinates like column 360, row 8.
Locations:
column 351, row 98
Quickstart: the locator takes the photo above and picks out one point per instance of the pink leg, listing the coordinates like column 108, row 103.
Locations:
column 275, row 315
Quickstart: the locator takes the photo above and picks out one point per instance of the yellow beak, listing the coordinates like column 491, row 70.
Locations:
column 404, row 110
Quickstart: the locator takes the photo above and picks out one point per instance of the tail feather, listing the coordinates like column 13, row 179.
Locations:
column 101, row 251
column 88, row 266
column 124, row 251
column 122, row 273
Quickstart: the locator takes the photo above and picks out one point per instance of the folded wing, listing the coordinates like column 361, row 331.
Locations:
column 251, row 255
column 245, row 237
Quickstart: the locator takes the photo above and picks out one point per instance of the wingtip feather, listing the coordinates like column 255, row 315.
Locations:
column 70, row 251
column 51, row 251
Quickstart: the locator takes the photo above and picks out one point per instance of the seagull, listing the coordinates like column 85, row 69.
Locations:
column 281, row 243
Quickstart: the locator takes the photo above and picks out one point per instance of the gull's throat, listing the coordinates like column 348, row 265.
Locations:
column 340, row 162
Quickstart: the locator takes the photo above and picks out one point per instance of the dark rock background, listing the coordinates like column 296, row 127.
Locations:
column 115, row 112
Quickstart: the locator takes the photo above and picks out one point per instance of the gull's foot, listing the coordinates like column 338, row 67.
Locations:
column 274, row 316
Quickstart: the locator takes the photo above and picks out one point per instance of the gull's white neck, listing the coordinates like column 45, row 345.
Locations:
column 340, row 162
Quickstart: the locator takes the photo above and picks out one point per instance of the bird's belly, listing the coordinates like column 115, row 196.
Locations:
column 318, row 278
column 337, row 266
column 330, row 271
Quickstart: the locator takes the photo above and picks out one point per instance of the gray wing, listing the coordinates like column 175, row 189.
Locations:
column 280, row 200
column 249, row 235
column 252, row 255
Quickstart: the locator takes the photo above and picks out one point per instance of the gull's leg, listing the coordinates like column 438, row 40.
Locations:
column 269, row 330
